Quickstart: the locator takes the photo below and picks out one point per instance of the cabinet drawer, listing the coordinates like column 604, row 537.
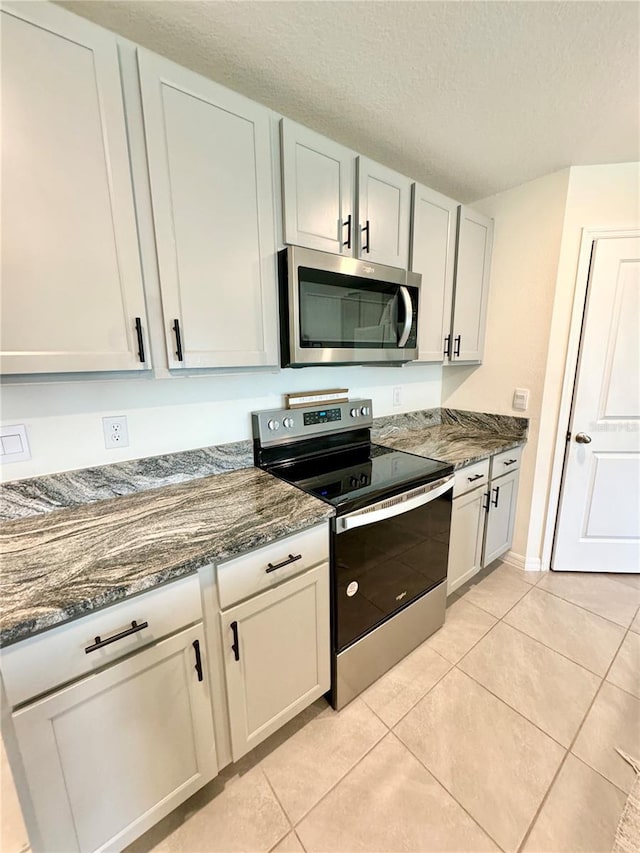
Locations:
column 505, row 462
column 254, row 572
column 471, row 476
column 36, row 665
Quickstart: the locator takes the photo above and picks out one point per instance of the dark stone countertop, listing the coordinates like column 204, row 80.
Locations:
column 60, row 565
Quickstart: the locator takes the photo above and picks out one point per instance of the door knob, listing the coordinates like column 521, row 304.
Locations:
column 583, row 438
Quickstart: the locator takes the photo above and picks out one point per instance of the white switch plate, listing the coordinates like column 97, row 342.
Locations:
column 14, row 444
column 521, row 399
column 116, row 433
column 397, row 395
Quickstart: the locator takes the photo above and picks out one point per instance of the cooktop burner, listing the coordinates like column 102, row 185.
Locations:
column 359, row 475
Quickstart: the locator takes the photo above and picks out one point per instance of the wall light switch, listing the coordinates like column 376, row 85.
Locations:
column 14, row 444
column 521, row 399
column 397, row 395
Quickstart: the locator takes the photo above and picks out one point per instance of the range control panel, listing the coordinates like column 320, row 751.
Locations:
column 277, row 426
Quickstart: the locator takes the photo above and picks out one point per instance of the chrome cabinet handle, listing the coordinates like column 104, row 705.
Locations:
column 292, row 559
column 583, row 438
column 408, row 316
column 100, row 643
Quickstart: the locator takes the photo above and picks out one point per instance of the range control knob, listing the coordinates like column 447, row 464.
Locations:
column 363, row 479
column 353, row 481
column 365, row 410
column 355, row 413
column 287, row 423
column 273, row 424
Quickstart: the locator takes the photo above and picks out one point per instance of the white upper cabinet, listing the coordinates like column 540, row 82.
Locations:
column 210, row 167
column 384, row 209
column 433, row 247
column 320, row 194
column 72, row 297
column 471, row 291
column 318, row 190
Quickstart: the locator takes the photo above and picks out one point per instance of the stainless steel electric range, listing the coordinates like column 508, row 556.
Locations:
column 390, row 536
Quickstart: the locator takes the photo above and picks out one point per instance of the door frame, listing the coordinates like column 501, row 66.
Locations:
column 589, row 237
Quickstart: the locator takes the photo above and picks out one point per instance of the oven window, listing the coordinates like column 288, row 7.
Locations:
column 337, row 312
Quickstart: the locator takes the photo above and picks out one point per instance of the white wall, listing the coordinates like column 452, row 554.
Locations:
column 528, row 229
column 598, row 197
column 164, row 415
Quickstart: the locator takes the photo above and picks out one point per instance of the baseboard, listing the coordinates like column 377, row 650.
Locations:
column 530, row 564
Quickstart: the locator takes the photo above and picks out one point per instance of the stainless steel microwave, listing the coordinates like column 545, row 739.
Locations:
column 336, row 310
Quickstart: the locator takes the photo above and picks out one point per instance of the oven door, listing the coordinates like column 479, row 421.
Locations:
column 388, row 555
column 345, row 311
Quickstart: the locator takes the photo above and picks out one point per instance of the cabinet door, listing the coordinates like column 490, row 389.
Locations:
column 501, row 517
column 471, row 291
column 276, row 654
column 318, row 190
column 210, row 168
column 71, row 279
column 465, row 545
column 110, row 755
column 433, row 247
column 384, row 208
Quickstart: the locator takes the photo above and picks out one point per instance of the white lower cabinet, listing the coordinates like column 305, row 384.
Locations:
column 465, row 547
column 500, row 517
column 113, row 753
column 276, row 656
column 482, row 518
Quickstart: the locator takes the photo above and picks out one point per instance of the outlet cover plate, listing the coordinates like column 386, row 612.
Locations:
column 116, row 432
column 14, row 444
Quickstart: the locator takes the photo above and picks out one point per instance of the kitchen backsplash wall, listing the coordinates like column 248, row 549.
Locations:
column 64, row 419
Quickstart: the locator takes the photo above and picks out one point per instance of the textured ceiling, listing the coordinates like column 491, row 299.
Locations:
column 468, row 97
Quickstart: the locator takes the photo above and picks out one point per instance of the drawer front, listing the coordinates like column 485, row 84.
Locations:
column 505, row 462
column 257, row 571
column 470, row 477
column 38, row 664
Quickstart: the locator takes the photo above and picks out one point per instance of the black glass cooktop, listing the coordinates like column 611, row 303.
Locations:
column 358, row 476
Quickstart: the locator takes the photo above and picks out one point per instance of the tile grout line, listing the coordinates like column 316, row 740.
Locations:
column 284, row 811
column 569, row 751
column 586, row 609
column 338, row 781
column 444, row 788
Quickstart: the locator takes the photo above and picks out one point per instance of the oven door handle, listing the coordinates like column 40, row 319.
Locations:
column 393, row 506
column 408, row 316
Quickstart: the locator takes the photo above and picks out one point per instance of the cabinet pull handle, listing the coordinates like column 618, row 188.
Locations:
column 447, row 346
column 510, row 462
column 477, row 477
column 235, row 646
column 497, row 491
column 367, row 228
column 485, row 504
column 292, row 559
column 456, row 345
column 347, row 224
column 100, row 643
column 140, row 340
column 176, row 329
column 198, row 666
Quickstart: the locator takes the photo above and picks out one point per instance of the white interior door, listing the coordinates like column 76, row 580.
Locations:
column 598, row 527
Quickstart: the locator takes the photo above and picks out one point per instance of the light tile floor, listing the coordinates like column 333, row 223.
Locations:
column 498, row 733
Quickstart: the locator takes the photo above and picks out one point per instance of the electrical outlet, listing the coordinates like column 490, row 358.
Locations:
column 397, row 395
column 115, row 431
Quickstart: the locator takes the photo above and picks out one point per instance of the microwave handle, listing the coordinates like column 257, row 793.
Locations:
column 408, row 316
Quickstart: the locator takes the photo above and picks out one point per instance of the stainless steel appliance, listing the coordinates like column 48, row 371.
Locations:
column 336, row 310
column 390, row 536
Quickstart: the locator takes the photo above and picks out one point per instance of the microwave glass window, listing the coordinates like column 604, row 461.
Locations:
column 337, row 314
